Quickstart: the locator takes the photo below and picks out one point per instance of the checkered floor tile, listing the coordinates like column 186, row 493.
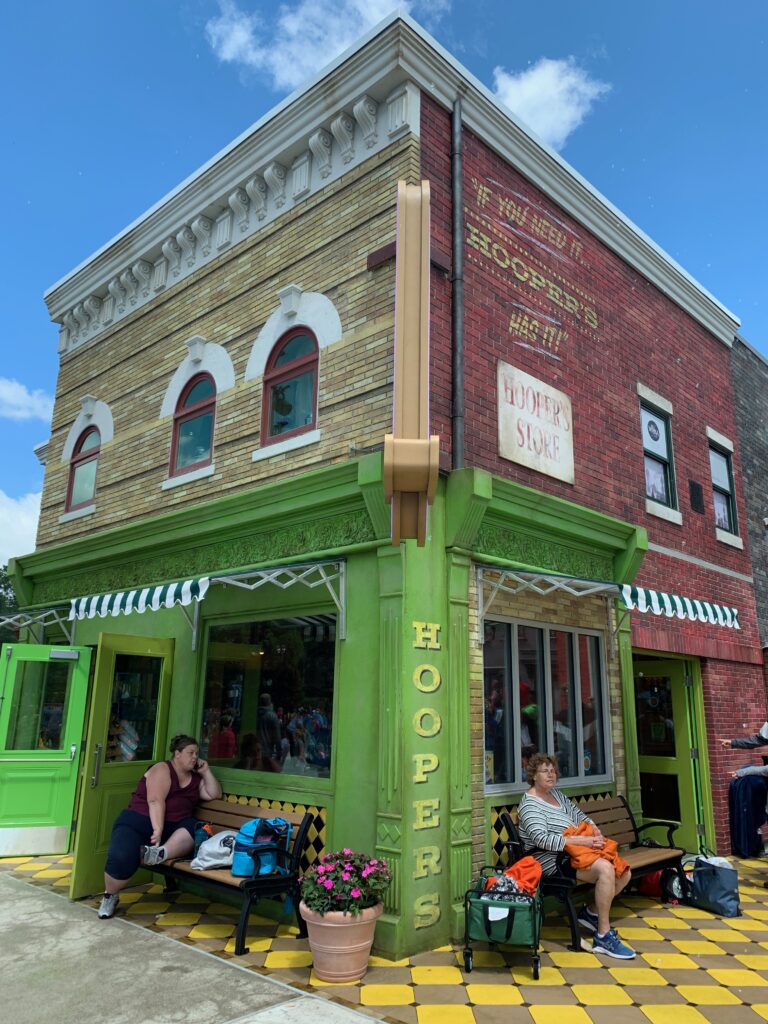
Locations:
column 691, row 967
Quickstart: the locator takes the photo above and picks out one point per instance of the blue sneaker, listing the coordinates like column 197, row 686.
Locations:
column 587, row 919
column 611, row 945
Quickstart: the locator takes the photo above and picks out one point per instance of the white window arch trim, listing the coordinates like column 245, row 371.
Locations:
column 93, row 413
column 203, row 357
column 297, row 309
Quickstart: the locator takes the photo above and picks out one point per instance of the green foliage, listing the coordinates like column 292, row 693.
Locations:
column 346, row 881
column 8, row 606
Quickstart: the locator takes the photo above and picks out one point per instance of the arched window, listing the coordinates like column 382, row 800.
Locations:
column 193, row 421
column 290, row 387
column 81, row 489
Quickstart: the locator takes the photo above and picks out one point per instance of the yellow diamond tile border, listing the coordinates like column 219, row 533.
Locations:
column 708, row 995
column 494, row 995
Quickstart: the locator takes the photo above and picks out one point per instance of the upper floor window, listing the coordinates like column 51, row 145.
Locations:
column 722, row 489
column 82, row 469
column 193, row 423
column 657, row 451
column 290, row 386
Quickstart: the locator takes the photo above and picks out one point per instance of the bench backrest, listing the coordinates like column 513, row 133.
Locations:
column 611, row 815
column 224, row 815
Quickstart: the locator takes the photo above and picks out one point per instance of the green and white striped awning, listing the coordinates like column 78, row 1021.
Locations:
column 143, row 599
column 674, row 607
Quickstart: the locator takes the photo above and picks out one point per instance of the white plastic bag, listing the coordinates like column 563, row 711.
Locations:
column 215, row 852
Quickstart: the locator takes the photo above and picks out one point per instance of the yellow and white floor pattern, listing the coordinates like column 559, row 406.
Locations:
column 691, row 967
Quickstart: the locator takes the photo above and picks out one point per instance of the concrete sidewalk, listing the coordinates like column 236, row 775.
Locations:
column 59, row 962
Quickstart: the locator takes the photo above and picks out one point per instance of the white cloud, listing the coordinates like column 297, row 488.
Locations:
column 18, row 403
column 302, row 37
column 552, row 96
column 18, row 525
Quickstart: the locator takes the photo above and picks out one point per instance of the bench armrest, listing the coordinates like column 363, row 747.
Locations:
column 670, row 826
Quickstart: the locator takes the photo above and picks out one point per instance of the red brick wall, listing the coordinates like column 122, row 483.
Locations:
column 586, row 323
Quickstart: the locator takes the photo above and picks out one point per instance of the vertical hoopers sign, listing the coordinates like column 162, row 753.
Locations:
column 535, row 424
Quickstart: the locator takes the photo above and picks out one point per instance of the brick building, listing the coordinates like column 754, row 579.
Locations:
column 750, row 381
column 214, row 511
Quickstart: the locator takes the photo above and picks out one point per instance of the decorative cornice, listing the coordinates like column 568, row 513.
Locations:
column 173, row 250
column 388, row 66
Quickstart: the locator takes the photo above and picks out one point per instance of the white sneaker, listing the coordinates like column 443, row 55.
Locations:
column 152, row 855
column 108, row 905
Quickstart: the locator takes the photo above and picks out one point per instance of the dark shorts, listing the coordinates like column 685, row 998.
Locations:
column 569, row 870
column 130, row 832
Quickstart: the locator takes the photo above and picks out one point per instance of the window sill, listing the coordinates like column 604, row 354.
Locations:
column 655, row 508
column 291, row 444
column 78, row 513
column 729, row 538
column 188, row 478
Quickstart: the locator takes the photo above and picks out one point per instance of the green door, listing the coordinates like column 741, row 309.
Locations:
column 668, row 745
column 127, row 732
column 43, row 691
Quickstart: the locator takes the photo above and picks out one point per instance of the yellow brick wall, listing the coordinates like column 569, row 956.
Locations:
column 555, row 609
column 321, row 245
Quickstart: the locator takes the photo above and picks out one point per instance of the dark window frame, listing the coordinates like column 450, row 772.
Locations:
column 730, row 494
column 668, row 464
column 276, row 375
column 81, row 458
column 183, row 414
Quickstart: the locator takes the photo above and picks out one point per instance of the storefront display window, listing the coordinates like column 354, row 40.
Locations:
column 544, row 691
column 269, row 695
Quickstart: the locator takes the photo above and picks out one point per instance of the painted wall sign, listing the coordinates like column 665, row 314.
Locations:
column 540, row 260
column 535, row 424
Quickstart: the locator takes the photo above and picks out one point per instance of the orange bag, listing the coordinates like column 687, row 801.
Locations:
column 583, row 857
column 526, row 872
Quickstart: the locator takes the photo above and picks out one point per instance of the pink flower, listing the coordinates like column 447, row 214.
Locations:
column 366, row 871
column 328, row 883
column 355, row 894
column 320, row 869
column 374, row 862
column 345, row 876
column 346, row 851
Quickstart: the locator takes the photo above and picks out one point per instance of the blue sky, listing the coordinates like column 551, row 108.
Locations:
column 660, row 105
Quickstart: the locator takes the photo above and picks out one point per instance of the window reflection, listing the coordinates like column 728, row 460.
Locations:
column 269, row 695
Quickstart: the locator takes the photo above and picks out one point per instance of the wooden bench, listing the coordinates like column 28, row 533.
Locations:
column 223, row 815
column 616, row 821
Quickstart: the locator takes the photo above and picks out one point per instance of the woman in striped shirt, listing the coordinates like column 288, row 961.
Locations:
column 543, row 816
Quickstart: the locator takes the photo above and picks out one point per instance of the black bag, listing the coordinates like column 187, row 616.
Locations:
column 715, row 886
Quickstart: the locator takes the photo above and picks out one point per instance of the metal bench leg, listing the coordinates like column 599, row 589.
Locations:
column 573, row 921
column 242, row 926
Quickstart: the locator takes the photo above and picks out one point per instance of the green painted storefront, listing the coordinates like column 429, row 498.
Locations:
column 403, row 776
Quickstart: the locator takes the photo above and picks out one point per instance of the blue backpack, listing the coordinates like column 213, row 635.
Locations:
column 257, row 845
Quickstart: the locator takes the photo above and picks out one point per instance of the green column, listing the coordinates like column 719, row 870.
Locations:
column 414, row 811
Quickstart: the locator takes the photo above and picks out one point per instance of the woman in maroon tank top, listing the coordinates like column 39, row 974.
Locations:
column 159, row 822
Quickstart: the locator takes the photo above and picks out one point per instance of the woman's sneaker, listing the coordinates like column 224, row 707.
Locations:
column 108, row 905
column 587, row 919
column 611, row 945
column 152, row 855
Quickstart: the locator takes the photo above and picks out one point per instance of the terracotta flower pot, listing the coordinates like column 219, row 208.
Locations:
column 340, row 943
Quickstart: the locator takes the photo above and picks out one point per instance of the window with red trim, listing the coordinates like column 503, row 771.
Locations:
column 290, row 387
column 192, row 446
column 81, row 488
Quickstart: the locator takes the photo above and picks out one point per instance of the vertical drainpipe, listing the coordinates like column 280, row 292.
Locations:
column 457, row 299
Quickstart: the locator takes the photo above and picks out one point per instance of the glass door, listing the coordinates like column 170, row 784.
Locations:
column 127, row 733
column 667, row 745
column 43, row 691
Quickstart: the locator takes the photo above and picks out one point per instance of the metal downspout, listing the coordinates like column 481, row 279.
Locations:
column 457, row 298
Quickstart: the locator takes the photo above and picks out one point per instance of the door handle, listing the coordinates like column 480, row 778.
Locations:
column 96, row 766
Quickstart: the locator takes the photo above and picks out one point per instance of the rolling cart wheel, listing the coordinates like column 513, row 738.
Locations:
column 536, row 967
column 468, row 962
